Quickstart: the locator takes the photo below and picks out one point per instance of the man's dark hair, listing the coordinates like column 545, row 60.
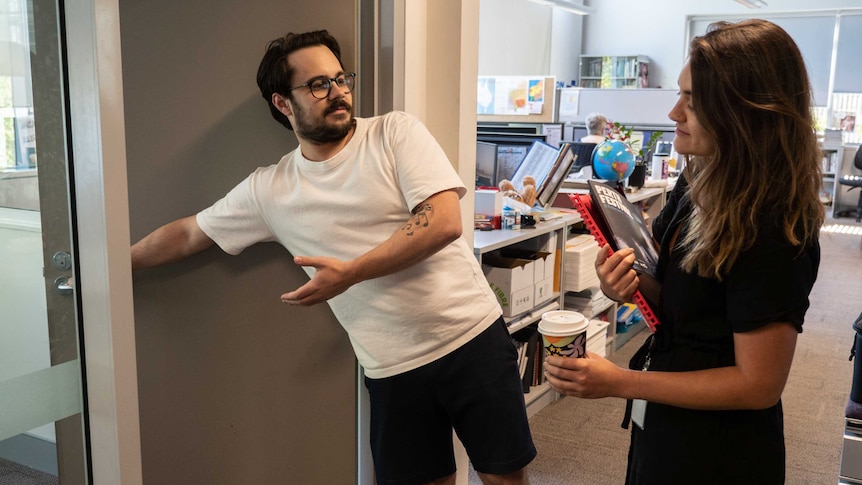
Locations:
column 274, row 74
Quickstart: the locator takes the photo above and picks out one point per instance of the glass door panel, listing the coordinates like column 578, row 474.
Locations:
column 42, row 422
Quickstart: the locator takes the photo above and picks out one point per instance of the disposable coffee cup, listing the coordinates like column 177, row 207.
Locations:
column 564, row 333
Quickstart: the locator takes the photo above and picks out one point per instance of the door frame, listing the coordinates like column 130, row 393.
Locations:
column 102, row 214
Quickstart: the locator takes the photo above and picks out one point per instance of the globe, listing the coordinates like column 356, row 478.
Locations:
column 613, row 160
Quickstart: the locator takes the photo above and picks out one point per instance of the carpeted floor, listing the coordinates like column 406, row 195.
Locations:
column 581, row 442
column 12, row 473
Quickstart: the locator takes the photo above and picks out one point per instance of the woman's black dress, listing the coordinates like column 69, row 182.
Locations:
column 768, row 283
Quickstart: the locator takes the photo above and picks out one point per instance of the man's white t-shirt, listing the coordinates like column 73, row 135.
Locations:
column 344, row 207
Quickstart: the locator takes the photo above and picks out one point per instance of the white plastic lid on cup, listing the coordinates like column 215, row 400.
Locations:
column 560, row 323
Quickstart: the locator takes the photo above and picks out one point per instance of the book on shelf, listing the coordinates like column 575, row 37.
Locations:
column 534, row 345
column 521, row 347
column 612, row 219
column 538, row 375
column 590, row 302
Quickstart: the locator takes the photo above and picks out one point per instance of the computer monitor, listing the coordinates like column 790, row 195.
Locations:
column 528, row 130
column 579, row 133
column 509, row 138
column 511, row 149
column 486, row 164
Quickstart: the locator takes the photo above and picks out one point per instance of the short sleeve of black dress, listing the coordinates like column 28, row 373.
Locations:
column 771, row 282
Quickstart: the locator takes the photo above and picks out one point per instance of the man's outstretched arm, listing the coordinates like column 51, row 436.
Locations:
column 435, row 223
column 172, row 242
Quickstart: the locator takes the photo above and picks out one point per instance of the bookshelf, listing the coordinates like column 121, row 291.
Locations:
column 614, row 72
column 550, row 232
column 831, row 167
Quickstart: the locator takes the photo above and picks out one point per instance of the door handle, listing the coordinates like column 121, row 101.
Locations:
column 64, row 285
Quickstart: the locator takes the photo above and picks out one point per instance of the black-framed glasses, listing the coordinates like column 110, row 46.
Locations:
column 320, row 87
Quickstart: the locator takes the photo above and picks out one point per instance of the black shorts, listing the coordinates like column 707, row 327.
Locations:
column 476, row 390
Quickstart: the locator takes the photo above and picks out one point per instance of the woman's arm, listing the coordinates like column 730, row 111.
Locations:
column 756, row 381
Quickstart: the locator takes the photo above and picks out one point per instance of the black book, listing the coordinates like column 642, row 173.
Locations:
column 533, row 343
column 626, row 225
column 538, row 361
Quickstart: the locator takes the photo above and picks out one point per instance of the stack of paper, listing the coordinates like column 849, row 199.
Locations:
column 597, row 337
column 831, row 138
column 590, row 302
column 580, row 267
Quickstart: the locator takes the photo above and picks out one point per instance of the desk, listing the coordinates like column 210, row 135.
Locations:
column 652, row 199
column 487, row 241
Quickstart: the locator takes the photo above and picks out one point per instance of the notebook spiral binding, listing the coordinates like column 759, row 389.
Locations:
column 584, row 205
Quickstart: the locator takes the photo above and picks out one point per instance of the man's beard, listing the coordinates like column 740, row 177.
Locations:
column 321, row 131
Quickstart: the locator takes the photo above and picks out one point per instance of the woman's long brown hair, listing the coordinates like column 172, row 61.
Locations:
column 751, row 93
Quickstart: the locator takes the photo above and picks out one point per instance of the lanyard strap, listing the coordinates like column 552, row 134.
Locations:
column 642, row 359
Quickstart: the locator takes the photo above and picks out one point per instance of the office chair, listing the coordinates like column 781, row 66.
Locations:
column 584, row 153
column 854, row 182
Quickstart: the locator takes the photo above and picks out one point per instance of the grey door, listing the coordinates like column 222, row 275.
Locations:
column 234, row 386
column 41, row 396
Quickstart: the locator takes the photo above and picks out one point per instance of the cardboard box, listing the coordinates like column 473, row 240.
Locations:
column 543, row 262
column 551, row 270
column 489, row 203
column 550, row 261
column 597, row 337
column 543, row 290
column 511, row 280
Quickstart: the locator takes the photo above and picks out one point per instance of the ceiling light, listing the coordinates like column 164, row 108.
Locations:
column 752, row 3
column 567, row 5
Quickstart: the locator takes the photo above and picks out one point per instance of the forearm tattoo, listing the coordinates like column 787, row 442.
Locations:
column 421, row 216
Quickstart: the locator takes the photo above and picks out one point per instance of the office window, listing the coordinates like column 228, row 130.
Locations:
column 813, row 35
column 848, row 70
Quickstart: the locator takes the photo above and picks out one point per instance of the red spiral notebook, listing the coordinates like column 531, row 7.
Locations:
column 599, row 230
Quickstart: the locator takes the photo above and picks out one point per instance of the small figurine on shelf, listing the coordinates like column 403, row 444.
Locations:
column 526, row 196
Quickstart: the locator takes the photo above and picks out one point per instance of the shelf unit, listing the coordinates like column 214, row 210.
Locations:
column 613, row 72
column 620, row 339
column 486, row 241
column 609, row 312
column 831, row 167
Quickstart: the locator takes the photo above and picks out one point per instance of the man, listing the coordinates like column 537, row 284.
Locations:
column 370, row 209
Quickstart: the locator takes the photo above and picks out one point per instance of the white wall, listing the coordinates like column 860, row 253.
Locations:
column 658, row 28
column 439, row 80
column 566, row 36
column 518, row 37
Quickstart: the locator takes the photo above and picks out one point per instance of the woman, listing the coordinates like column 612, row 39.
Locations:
column 596, row 123
column 739, row 254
